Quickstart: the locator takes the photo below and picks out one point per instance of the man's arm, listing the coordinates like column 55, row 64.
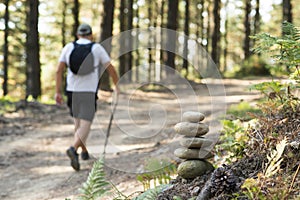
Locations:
column 59, row 75
column 113, row 74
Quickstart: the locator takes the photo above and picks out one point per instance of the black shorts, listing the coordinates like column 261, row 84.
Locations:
column 82, row 105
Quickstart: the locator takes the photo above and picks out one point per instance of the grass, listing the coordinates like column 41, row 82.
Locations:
column 243, row 111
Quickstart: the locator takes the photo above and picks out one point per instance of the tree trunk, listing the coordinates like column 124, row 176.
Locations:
column 172, row 25
column 287, row 11
column 187, row 33
column 137, row 53
column 63, row 26
column 207, row 35
column 215, row 54
column 107, row 29
column 225, row 37
column 130, row 26
column 5, row 49
column 247, row 29
column 75, row 12
column 33, row 82
column 257, row 18
column 200, row 32
column 150, row 60
column 162, row 52
column 123, row 25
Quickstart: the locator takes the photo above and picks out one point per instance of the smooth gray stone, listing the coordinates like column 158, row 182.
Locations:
column 195, row 142
column 191, row 129
column 193, row 168
column 192, row 116
column 186, row 153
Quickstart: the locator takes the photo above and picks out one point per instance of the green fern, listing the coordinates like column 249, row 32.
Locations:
column 284, row 49
column 96, row 185
column 151, row 194
column 158, row 170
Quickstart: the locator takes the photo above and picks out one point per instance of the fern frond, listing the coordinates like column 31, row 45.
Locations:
column 96, row 185
column 274, row 160
column 152, row 193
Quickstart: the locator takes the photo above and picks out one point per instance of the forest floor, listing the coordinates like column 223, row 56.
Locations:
column 34, row 138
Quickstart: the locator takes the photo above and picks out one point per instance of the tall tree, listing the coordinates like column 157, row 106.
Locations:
column 106, row 32
column 122, row 19
column 137, row 53
column 162, row 25
column 186, row 33
column 225, row 51
column 207, row 28
column 247, row 26
column 5, row 49
column 75, row 12
column 172, row 25
column 130, row 39
column 216, row 37
column 287, row 11
column 200, row 30
column 126, row 19
column 33, row 72
column 150, row 52
column 257, row 18
column 63, row 25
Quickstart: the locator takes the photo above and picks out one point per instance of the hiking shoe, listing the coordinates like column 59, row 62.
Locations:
column 85, row 155
column 73, row 155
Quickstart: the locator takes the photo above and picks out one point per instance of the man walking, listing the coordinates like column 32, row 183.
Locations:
column 82, row 86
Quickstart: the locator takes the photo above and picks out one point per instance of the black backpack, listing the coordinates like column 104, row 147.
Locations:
column 82, row 59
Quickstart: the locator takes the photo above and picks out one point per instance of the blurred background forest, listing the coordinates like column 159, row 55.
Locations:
column 33, row 33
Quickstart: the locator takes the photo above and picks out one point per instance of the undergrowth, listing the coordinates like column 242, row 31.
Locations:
column 273, row 133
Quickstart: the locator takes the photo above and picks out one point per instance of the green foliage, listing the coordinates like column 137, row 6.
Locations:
column 242, row 111
column 159, row 171
column 6, row 105
column 233, row 140
column 278, row 95
column 151, row 194
column 283, row 49
column 254, row 66
column 96, row 185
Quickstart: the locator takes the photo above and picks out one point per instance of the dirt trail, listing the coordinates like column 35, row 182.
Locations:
column 33, row 164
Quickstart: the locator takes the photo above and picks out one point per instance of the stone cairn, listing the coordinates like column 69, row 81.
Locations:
column 193, row 146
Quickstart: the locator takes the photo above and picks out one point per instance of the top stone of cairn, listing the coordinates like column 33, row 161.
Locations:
column 192, row 116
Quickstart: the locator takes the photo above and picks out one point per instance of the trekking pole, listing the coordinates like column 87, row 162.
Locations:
column 110, row 122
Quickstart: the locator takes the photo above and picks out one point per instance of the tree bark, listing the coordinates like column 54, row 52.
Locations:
column 172, row 25
column 33, row 82
column 5, row 49
column 75, row 12
column 257, row 18
column 150, row 59
column 63, row 26
column 215, row 54
column 186, row 33
column 106, row 32
column 247, row 26
column 123, row 23
column 287, row 11
column 137, row 53
column 225, row 51
column 130, row 39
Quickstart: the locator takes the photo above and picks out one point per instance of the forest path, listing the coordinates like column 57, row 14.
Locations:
column 33, row 163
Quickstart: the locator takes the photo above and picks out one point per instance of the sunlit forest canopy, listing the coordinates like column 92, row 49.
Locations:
column 34, row 32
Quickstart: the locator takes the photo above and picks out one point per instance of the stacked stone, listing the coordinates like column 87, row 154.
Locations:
column 193, row 146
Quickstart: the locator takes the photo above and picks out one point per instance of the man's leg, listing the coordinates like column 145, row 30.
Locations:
column 82, row 129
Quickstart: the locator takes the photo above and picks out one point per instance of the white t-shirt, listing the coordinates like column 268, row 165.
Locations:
column 88, row 82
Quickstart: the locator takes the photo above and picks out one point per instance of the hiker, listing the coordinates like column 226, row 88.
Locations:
column 82, row 85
